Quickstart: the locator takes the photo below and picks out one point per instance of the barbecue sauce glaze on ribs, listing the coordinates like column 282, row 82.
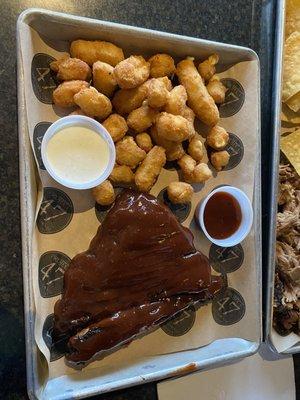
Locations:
column 140, row 270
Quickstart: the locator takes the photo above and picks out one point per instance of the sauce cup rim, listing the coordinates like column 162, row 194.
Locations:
column 247, row 216
column 97, row 127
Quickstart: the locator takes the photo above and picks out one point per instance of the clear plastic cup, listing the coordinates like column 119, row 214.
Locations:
column 247, row 216
column 79, row 120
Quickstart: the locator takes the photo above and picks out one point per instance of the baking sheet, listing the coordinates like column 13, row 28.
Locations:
column 243, row 265
column 282, row 344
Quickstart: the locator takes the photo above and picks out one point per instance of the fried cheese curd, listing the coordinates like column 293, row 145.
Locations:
column 180, row 192
column 174, row 150
column 69, row 69
column 161, row 65
column 103, row 78
column 216, row 89
column 128, row 152
column 173, row 127
column 193, row 172
column 199, row 99
column 54, row 65
column 116, row 126
column 127, row 100
column 189, row 114
column 121, row 174
column 157, row 93
column 187, row 164
column 144, row 141
column 104, row 193
column 207, row 68
column 93, row 103
column 219, row 159
column 132, row 72
column 63, row 95
column 176, row 102
column 195, row 149
column 142, row 118
column 200, row 174
column 217, row 138
column 91, row 51
column 150, row 168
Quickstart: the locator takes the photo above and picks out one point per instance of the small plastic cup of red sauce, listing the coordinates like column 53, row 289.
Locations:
column 225, row 216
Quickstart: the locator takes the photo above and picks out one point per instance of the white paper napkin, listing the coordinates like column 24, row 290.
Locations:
column 260, row 377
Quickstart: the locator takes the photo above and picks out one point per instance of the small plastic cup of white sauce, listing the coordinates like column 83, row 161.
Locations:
column 246, row 213
column 78, row 152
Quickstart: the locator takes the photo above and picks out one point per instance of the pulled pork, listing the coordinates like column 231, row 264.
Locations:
column 286, row 317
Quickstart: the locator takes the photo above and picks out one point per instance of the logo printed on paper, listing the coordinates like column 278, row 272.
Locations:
column 52, row 267
column 181, row 211
column 226, row 259
column 38, row 134
column 228, row 307
column 235, row 149
column 57, row 350
column 234, row 98
column 56, row 211
column 181, row 323
column 43, row 78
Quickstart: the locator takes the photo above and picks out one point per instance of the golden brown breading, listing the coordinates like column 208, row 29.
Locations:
column 157, row 93
column 216, row 89
column 166, row 81
column 71, row 69
column 187, row 164
column 174, row 150
column 63, row 95
column 207, row 68
column 180, row 192
column 173, row 127
column 127, row 100
column 103, row 78
column 195, row 149
column 122, row 174
column 144, row 141
column 128, row 152
column 116, row 126
column 217, row 138
column 93, row 103
column 54, row 65
column 189, row 114
column 141, row 118
column 219, row 159
column 200, row 174
column 104, row 193
column 91, row 51
column 176, row 101
column 161, row 65
column 149, row 170
column 132, row 72
column 199, row 99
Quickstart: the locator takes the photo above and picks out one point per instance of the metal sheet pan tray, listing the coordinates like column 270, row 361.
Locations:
column 56, row 26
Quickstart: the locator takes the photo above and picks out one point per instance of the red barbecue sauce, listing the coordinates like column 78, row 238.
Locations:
column 222, row 215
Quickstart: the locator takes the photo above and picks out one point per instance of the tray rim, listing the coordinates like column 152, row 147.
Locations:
column 275, row 151
column 31, row 347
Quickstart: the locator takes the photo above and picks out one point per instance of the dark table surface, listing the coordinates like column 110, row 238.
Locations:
column 243, row 22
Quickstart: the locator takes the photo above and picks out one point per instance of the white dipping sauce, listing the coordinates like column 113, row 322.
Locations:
column 77, row 154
